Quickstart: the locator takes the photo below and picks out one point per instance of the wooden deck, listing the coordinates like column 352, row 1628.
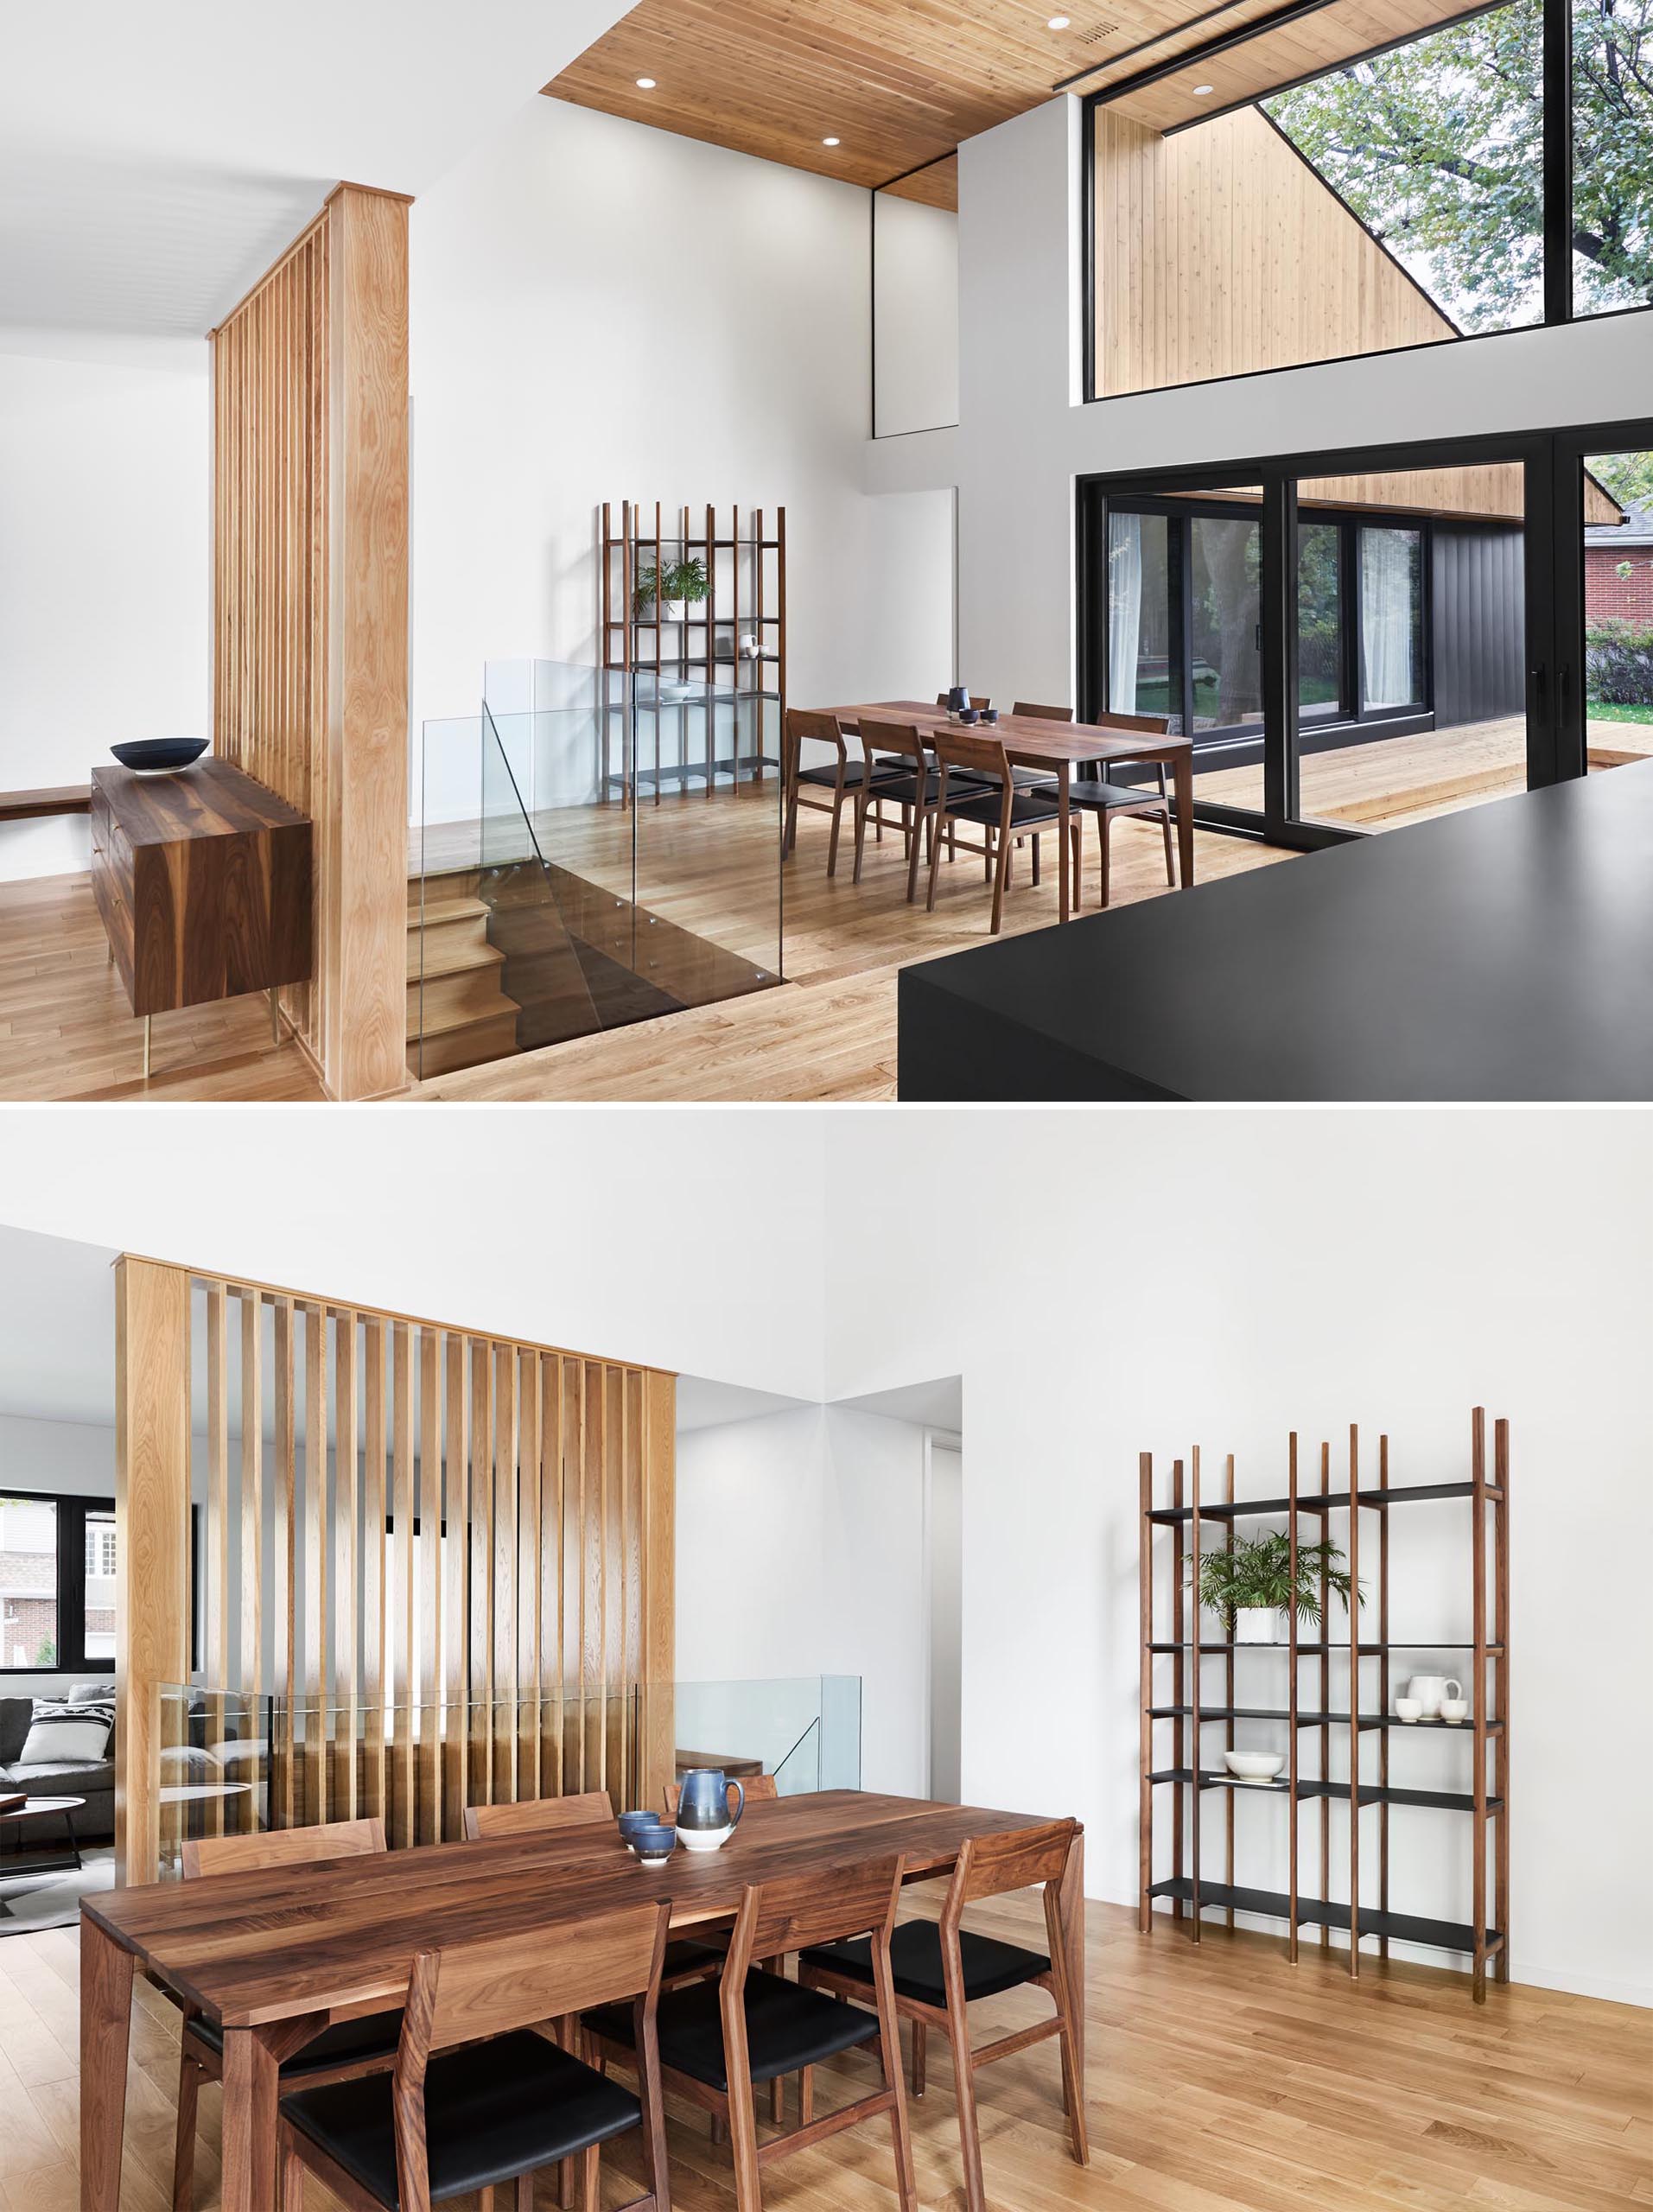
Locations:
column 1220, row 2080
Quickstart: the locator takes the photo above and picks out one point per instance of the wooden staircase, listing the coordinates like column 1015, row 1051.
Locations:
column 458, row 1016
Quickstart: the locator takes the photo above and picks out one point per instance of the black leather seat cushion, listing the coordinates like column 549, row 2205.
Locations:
column 374, row 2035
column 1099, row 795
column 915, row 1963
column 854, row 773
column 787, row 2028
column 492, row 2110
column 691, row 1958
column 1028, row 809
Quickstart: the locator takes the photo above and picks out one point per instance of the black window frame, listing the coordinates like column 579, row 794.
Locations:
column 72, row 1512
column 1559, row 97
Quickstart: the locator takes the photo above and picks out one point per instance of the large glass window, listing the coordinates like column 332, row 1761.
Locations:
column 1612, row 154
column 1141, row 679
column 1391, row 620
column 1320, row 642
column 59, row 1565
column 1226, row 626
column 1617, row 608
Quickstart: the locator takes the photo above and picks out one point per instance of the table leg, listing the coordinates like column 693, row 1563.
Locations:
column 1064, row 772
column 251, row 2082
column 1183, row 769
column 74, row 1840
column 106, row 2032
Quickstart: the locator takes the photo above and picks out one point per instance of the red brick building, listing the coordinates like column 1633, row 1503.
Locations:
column 1618, row 570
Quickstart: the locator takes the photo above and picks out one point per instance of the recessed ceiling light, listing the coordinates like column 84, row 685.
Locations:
column 645, row 84
column 831, row 142
column 1200, row 90
column 1058, row 23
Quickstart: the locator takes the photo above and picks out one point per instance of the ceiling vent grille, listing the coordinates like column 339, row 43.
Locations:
column 1099, row 34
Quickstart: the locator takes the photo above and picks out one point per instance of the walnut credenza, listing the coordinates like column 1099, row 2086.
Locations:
column 203, row 880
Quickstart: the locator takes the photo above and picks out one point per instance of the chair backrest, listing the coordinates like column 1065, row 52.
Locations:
column 976, row 699
column 1157, row 725
column 900, row 738
column 992, row 1865
column 473, row 1991
column 804, row 722
column 962, row 748
column 243, row 1855
column 1043, row 714
column 825, row 1906
column 537, row 1815
column 760, row 1788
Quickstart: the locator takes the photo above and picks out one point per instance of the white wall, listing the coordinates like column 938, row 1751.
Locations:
column 1023, row 437
column 1248, row 1272
column 105, row 564
column 915, row 315
column 603, row 311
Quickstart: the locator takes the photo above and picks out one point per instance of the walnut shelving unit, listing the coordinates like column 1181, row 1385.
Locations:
column 744, row 559
column 1187, row 1519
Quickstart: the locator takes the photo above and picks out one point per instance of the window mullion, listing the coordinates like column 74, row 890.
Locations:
column 1557, row 161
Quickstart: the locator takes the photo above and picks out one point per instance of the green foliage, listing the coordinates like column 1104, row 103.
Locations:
column 47, row 1655
column 1258, row 1572
column 1618, row 663
column 1438, row 148
column 684, row 580
column 1627, row 476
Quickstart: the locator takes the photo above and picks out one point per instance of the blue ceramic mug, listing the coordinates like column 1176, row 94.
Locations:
column 957, row 697
column 703, row 1800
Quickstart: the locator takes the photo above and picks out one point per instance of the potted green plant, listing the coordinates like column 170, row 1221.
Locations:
column 1251, row 1585
column 679, row 585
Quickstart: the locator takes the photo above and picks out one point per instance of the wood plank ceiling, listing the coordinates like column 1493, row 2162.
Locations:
column 899, row 88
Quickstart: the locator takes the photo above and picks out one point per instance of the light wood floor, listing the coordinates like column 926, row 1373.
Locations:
column 1220, row 2080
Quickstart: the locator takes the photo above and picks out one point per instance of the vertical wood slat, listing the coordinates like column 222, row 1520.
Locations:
column 528, row 1574
column 612, row 1555
column 400, row 1825
column 375, row 1682
column 480, row 1546
column 429, row 1596
column 456, row 1514
column 347, row 1394
column 244, row 1808
column 550, row 1575
column 313, row 1554
column 573, row 1564
column 502, row 1719
column 590, row 1673
column 219, row 1553
column 284, row 1589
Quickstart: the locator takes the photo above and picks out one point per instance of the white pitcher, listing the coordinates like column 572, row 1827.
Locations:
column 1429, row 1689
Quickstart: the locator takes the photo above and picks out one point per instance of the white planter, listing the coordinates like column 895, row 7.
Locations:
column 1258, row 1624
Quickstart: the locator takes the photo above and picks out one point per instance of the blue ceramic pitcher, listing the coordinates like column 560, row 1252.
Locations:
column 703, row 1800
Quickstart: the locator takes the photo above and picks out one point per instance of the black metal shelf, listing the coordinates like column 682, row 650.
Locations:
column 1316, row 1912
column 1317, row 1502
column 1313, row 1651
column 1443, row 1800
column 1314, row 1719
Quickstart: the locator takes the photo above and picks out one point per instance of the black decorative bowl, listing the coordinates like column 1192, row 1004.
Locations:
column 153, row 756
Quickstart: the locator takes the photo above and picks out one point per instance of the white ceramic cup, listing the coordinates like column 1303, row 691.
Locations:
column 1430, row 1689
column 1408, row 1708
column 1454, row 1710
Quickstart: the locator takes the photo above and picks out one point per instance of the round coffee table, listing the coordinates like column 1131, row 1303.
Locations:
column 34, row 1808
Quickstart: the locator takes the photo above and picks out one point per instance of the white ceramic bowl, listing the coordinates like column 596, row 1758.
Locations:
column 1254, row 1766
column 704, row 1838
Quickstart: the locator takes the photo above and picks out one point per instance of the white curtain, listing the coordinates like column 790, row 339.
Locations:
column 1390, row 564
column 1124, row 610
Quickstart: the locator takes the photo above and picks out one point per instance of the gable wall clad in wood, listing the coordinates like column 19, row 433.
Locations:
column 310, row 606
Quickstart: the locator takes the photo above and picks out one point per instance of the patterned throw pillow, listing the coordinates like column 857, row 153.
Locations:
column 68, row 1735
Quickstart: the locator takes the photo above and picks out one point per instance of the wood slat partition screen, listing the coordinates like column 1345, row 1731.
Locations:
column 311, row 613
column 468, row 1599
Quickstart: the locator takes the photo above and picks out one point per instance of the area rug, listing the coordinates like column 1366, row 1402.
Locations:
column 30, row 1902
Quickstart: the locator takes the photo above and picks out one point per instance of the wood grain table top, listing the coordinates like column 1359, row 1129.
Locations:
column 251, row 1949
column 213, row 799
column 1029, row 741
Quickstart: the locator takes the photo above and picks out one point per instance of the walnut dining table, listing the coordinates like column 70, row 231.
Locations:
column 1059, row 748
column 275, row 1955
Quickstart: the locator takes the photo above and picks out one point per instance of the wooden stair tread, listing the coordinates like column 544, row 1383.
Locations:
column 441, row 1023
column 437, row 911
column 453, row 960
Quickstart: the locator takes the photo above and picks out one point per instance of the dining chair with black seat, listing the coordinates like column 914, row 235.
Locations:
column 1042, row 713
column 1109, row 801
column 899, row 769
column 975, row 786
column 686, row 1960
column 340, row 2053
column 839, row 779
column 717, row 2043
column 478, row 2101
column 939, row 1969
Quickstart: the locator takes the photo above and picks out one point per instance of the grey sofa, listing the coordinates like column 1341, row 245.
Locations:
column 95, row 1782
